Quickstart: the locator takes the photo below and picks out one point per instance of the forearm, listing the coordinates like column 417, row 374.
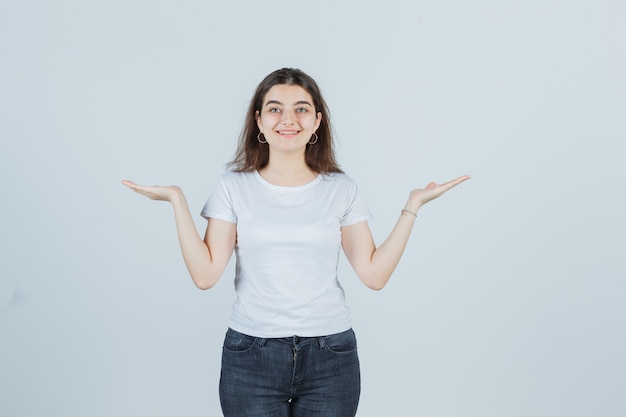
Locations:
column 386, row 257
column 195, row 252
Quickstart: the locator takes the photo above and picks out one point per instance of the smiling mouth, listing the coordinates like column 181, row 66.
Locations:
column 288, row 132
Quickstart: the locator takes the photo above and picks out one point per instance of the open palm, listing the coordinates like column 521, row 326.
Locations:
column 433, row 190
column 154, row 192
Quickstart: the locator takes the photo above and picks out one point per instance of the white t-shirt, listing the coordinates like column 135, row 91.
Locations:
column 288, row 243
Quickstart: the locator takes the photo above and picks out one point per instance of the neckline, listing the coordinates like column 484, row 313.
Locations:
column 268, row 184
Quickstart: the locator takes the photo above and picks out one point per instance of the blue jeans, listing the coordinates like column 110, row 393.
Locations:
column 290, row 377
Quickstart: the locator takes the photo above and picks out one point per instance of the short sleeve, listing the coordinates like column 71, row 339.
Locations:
column 356, row 208
column 220, row 204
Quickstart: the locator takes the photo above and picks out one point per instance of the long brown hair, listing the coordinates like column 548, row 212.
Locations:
column 252, row 155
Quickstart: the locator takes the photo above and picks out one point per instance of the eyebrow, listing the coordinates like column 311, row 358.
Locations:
column 295, row 104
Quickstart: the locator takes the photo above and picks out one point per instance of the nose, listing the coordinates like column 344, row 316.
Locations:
column 287, row 116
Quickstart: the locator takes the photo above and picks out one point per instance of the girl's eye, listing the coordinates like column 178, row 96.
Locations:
column 301, row 110
column 274, row 110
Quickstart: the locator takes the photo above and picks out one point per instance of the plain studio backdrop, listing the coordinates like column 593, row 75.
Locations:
column 510, row 297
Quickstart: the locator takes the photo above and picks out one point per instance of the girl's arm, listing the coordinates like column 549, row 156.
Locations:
column 205, row 258
column 374, row 265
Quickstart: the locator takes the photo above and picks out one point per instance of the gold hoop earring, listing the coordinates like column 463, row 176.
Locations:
column 313, row 141
column 258, row 137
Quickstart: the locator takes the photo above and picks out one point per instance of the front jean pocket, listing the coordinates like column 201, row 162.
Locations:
column 344, row 342
column 238, row 342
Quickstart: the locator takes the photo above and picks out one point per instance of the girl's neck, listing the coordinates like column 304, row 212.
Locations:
column 287, row 173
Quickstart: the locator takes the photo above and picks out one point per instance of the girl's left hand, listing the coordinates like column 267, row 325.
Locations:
column 419, row 197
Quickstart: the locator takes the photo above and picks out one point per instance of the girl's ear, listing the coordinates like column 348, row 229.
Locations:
column 258, row 120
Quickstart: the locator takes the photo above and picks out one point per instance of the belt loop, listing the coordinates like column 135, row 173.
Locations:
column 322, row 342
column 261, row 341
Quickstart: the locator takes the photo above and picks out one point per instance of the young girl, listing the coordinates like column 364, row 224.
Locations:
column 287, row 209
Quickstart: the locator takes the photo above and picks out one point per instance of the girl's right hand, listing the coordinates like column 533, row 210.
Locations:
column 155, row 192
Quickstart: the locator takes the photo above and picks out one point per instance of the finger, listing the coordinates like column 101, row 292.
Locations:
column 140, row 189
column 447, row 186
column 457, row 181
column 132, row 185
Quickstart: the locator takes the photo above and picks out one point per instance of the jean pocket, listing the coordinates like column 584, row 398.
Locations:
column 344, row 342
column 238, row 342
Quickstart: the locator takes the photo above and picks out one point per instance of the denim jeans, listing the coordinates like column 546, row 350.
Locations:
column 290, row 377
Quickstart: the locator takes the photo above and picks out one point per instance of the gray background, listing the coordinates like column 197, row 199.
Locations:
column 509, row 300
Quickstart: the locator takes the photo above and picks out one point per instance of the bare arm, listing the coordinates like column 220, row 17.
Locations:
column 374, row 266
column 205, row 258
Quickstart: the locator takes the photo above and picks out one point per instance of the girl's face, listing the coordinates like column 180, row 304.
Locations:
column 287, row 118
